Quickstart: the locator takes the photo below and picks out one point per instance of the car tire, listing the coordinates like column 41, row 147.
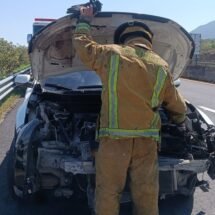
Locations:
column 14, row 191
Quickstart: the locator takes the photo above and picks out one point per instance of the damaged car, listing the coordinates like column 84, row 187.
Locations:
column 55, row 134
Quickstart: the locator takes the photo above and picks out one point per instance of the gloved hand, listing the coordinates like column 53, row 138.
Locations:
column 86, row 14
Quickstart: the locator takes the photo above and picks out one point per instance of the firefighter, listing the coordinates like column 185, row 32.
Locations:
column 136, row 82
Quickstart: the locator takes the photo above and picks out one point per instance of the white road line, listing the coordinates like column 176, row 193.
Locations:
column 208, row 109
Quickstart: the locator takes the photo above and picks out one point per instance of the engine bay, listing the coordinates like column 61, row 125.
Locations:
column 68, row 126
column 56, row 147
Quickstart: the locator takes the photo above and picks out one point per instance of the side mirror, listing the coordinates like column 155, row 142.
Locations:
column 22, row 79
column 177, row 83
column 29, row 37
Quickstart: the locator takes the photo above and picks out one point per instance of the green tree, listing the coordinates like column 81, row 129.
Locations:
column 23, row 55
column 213, row 44
column 11, row 57
column 207, row 45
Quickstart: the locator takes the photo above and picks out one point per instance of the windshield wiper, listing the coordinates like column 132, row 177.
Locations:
column 59, row 87
column 90, row 87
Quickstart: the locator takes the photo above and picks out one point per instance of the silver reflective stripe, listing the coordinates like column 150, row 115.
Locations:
column 112, row 87
column 161, row 77
column 119, row 133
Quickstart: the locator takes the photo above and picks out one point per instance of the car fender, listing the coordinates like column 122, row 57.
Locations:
column 21, row 112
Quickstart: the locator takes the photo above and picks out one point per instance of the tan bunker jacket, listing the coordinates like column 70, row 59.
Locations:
column 135, row 81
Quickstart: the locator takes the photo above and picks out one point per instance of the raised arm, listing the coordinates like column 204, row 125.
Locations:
column 92, row 54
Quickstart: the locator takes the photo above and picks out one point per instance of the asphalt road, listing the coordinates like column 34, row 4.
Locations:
column 200, row 94
column 203, row 202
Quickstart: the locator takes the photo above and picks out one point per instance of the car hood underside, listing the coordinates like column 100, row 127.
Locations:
column 52, row 52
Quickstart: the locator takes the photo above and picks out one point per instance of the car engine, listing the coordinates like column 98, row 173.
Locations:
column 55, row 149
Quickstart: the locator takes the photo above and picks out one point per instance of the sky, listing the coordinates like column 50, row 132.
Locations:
column 16, row 17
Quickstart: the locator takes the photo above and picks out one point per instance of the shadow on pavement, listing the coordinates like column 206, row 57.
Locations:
column 8, row 206
column 171, row 206
column 179, row 205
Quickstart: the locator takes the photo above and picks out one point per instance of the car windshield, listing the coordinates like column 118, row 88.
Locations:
column 37, row 28
column 74, row 81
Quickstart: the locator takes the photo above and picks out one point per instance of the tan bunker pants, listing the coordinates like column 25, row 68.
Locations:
column 115, row 159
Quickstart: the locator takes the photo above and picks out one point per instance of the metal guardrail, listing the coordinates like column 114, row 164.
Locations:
column 203, row 63
column 7, row 85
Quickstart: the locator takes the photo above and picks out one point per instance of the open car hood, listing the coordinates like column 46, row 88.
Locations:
column 52, row 53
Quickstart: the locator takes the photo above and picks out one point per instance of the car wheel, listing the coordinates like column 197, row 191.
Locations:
column 15, row 191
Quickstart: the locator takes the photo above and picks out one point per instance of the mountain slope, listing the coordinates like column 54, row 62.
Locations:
column 207, row 31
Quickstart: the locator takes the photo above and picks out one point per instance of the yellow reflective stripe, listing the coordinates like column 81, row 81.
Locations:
column 119, row 133
column 156, row 119
column 112, row 87
column 82, row 27
column 161, row 77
